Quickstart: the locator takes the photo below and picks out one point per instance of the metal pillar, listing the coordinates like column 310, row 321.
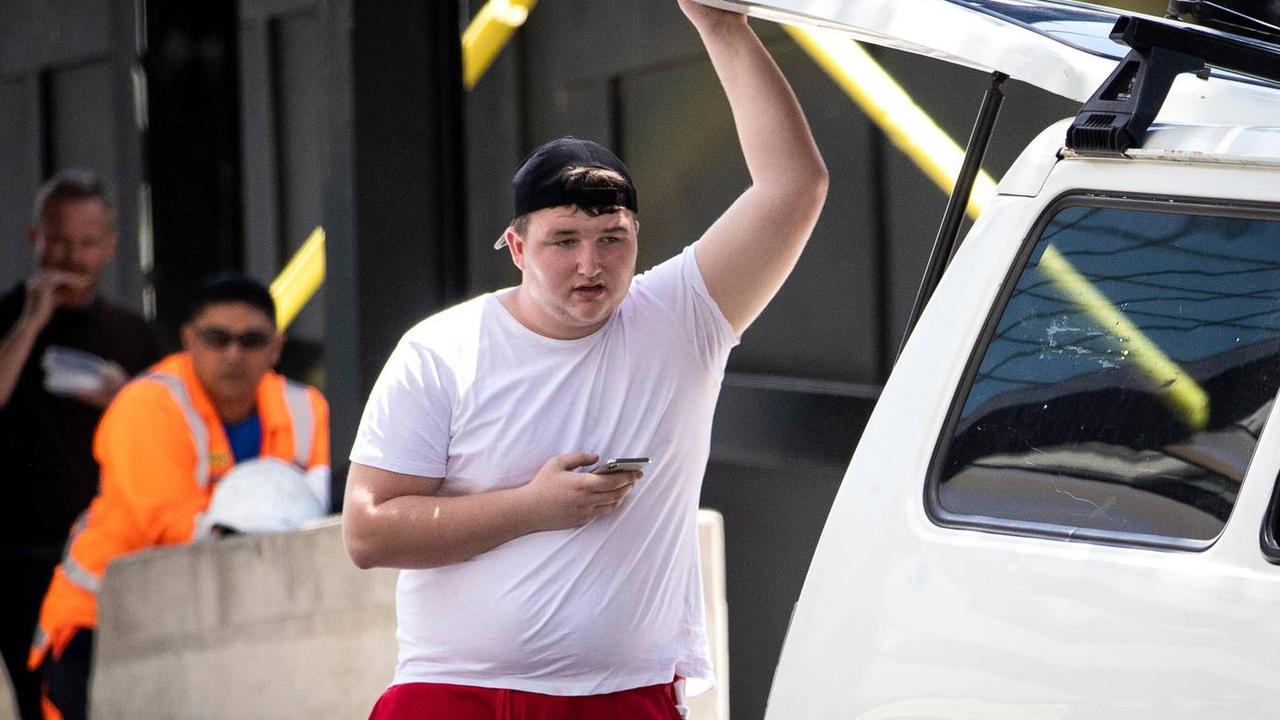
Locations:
column 393, row 198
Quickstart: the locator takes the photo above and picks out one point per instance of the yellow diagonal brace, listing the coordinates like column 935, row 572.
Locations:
column 916, row 134
column 299, row 280
column 488, row 33
column 884, row 101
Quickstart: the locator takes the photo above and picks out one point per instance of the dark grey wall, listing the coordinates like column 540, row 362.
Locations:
column 66, row 100
column 393, row 196
column 193, row 158
column 282, row 105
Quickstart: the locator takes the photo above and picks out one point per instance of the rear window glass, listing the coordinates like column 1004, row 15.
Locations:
column 1122, row 390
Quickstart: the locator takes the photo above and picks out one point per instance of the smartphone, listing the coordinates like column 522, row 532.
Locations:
column 614, row 465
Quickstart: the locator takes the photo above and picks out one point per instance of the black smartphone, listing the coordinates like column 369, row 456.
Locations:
column 614, row 465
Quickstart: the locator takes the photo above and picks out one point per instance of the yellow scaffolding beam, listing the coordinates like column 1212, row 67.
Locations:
column 489, row 32
column 884, row 101
column 300, row 279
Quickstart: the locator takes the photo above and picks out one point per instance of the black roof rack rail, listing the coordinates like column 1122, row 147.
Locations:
column 1223, row 16
column 1116, row 118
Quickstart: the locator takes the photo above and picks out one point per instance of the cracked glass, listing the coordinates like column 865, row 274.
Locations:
column 1121, row 393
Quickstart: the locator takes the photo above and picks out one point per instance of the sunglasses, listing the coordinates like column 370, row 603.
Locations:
column 218, row 338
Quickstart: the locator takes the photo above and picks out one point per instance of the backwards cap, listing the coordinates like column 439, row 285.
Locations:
column 540, row 181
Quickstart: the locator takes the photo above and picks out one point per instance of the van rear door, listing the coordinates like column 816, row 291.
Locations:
column 1062, row 47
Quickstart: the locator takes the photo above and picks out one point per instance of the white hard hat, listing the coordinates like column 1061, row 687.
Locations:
column 264, row 495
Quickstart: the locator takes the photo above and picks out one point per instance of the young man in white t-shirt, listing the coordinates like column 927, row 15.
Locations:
column 532, row 588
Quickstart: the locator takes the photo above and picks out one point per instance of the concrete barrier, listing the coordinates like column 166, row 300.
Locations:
column 8, row 706
column 715, row 704
column 280, row 626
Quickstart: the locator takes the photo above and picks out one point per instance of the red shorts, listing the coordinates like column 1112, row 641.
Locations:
column 438, row 701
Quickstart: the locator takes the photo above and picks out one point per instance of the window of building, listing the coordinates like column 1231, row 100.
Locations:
column 1120, row 393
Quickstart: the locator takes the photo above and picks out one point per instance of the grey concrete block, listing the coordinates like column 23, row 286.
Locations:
column 281, row 626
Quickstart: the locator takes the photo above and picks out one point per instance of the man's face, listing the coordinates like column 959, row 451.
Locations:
column 576, row 269
column 77, row 237
column 232, row 345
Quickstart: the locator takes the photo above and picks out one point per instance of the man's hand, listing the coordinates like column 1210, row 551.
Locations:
column 46, row 290
column 561, row 498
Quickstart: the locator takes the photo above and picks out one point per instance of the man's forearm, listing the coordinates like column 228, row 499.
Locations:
column 395, row 520
column 775, row 138
column 15, row 349
column 417, row 531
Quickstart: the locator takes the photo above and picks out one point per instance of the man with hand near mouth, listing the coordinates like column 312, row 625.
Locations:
column 48, row 412
column 530, row 589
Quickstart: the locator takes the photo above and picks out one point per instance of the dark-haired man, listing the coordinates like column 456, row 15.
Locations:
column 163, row 444
column 530, row 589
column 64, row 353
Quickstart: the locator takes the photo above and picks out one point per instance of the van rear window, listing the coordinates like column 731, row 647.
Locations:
column 1121, row 391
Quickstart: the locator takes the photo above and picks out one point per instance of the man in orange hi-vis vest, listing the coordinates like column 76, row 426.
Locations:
column 163, row 444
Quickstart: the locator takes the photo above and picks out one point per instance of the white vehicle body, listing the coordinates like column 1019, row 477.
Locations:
column 982, row 593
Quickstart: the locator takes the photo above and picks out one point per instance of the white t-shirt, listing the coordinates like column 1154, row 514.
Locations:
column 473, row 396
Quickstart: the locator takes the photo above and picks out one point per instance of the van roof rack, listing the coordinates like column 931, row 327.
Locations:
column 1118, row 115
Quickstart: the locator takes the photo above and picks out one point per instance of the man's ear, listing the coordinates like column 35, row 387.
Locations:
column 277, row 347
column 515, row 245
column 187, row 333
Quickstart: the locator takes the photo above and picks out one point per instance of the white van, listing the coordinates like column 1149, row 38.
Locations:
column 1064, row 504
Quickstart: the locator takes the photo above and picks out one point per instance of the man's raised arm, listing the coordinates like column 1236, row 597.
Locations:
column 748, row 252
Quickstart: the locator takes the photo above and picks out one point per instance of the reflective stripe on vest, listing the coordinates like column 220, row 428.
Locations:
column 75, row 572
column 40, row 639
column 296, row 399
column 298, row 402
column 80, row 577
column 199, row 433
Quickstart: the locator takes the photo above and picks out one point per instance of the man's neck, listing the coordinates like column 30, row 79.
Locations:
column 522, row 308
column 235, row 411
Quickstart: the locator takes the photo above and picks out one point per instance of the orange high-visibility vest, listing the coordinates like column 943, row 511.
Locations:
column 161, row 448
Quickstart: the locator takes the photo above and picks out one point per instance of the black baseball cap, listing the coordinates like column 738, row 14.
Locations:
column 540, row 181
